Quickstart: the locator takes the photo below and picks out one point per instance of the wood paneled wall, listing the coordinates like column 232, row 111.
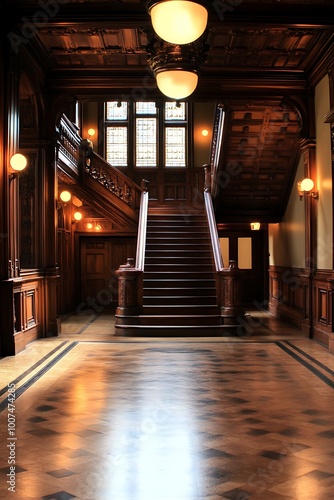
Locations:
column 22, row 300
column 303, row 300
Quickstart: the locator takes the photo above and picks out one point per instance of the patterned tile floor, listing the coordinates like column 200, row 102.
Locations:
column 89, row 415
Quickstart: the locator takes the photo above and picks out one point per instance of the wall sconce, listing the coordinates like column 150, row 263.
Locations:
column 178, row 21
column 18, row 162
column 91, row 132
column 255, row 226
column 77, row 216
column 176, row 67
column 94, row 225
column 205, row 132
column 305, row 188
column 65, row 196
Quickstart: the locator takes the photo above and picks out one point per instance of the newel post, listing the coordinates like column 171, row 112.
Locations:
column 231, row 294
column 130, row 286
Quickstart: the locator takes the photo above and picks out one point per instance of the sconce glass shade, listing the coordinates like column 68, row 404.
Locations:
column 91, row 132
column 306, row 185
column 65, row 196
column 255, row 226
column 77, row 216
column 177, row 84
column 18, row 162
column 178, row 21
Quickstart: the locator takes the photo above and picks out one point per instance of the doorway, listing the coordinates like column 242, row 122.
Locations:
column 250, row 250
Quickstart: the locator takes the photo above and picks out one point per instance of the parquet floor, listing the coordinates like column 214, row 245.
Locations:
column 88, row 415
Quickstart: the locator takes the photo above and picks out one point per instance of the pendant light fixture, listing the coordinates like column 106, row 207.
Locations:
column 176, row 67
column 177, row 83
column 178, row 21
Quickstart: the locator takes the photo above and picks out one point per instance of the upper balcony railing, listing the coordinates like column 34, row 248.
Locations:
column 105, row 184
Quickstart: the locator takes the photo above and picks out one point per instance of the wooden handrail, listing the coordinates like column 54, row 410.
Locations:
column 142, row 225
column 216, row 148
column 218, row 260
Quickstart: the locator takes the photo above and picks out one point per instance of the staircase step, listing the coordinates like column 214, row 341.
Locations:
column 180, row 309
column 178, row 300
column 189, row 230
column 178, row 320
column 179, row 260
column 192, row 284
column 176, row 331
column 179, row 290
column 183, row 217
column 178, row 238
column 181, row 222
column 161, row 268
column 179, row 250
column 162, row 245
column 163, row 276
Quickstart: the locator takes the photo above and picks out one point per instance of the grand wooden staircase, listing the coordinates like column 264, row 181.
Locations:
column 179, row 285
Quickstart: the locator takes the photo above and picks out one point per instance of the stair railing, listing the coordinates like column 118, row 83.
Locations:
column 110, row 190
column 130, row 274
column 228, row 280
column 68, row 147
column 218, row 259
column 142, row 226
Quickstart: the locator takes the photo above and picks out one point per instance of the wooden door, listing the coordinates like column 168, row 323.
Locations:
column 100, row 257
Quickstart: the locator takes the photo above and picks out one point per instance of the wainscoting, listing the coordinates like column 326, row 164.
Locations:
column 303, row 301
column 22, row 299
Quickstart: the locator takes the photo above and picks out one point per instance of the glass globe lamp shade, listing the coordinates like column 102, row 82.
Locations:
column 77, row 216
column 18, row 162
column 177, row 84
column 178, row 21
column 306, row 185
column 65, row 196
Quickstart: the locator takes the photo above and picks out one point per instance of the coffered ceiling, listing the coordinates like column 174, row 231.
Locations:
column 263, row 57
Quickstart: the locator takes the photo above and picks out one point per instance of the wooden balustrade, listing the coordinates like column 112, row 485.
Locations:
column 112, row 179
column 68, row 147
column 75, row 156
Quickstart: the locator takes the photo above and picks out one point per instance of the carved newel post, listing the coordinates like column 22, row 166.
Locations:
column 129, row 289
column 231, row 298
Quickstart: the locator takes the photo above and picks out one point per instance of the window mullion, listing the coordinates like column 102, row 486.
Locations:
column 131, row 135
column 161, row 135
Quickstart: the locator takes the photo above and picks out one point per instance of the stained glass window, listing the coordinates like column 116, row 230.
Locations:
column 146, row 108
column 117, row 146
column 146, row 142
column 117, row 110
column 175, row 150
column 175, row 112
column 146, row 134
